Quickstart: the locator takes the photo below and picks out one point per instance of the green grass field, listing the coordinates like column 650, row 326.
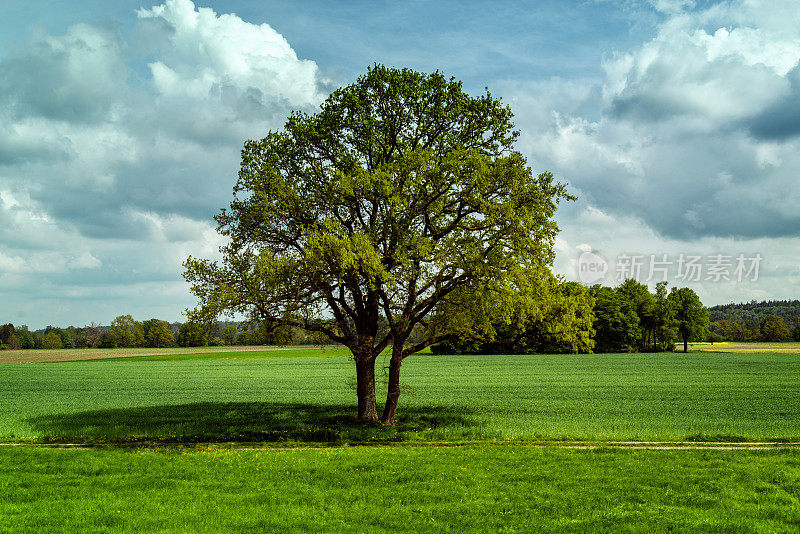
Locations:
column 465, row 458
column 295, row 398
column 399, row 489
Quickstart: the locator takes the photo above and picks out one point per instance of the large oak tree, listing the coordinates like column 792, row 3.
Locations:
column 400, row 211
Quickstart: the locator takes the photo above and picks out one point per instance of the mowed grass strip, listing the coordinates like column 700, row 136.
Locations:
column 651, row 397
column 408, row 489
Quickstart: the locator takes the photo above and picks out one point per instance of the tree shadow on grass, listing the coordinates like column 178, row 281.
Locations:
column 216, row 422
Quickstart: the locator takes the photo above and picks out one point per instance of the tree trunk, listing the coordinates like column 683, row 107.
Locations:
column 686, row 344
column 393, row 394
column 365, row 388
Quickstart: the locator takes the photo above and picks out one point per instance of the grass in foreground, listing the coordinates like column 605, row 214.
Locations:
column 658, row 397
column 416, row 489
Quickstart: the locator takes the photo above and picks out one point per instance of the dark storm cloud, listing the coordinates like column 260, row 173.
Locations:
column 15, row 151
column 781, row 120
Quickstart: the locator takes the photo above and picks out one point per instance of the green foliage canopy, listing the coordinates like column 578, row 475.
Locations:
column 565, row 324
column 773, row 328
column 403, row 200
column 192, row 335
column 158, row 333
column 51, row 341
column 26, row 340
column 691, row 317
column 6, row 331
column 127, row 332
column 616, row 322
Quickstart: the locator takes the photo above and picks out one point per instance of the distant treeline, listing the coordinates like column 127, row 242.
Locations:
column 125, row 331
column 773, row 320
column 579, row 319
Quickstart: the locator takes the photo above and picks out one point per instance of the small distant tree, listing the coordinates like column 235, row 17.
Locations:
column 243, row 337
column 713, row 337
column 6, row 331
column 663, row 320
column 731, row 330
column 691, row 317
column 146, row 326
column 643, row 302
column 159, row 334
column 127, row 331
column 192, row 335
column 67, row 337
column 108, row 340
column 38, row 340
column 51, row 341
column 80, row 339
column 228, row 334
column 719, row 330
column 568, row 323
column 13, row 342
column 176, row 328
column 93, row 334
column 773, row 328
column 25, row 338
column 270, row 333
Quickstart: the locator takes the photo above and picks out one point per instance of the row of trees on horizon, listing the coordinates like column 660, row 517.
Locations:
column 576, row 319
column 125, row 331
column 599, row 319
column 626, row 318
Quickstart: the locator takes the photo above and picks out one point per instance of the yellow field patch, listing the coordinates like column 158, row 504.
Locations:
column 792, row 347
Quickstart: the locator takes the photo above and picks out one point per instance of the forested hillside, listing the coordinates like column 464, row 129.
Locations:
column 788, row 309
column 772, row 320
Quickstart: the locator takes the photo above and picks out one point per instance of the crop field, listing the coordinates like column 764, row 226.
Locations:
column 267, row 441
column 301, row 398
column 66, row 355
column 787, row 347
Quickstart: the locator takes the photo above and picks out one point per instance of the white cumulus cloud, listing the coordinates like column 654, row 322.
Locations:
column 209, row 52
column 674, row 139
column 117, row 147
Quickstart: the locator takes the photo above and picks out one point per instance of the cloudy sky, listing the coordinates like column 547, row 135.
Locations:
column 676, row 122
